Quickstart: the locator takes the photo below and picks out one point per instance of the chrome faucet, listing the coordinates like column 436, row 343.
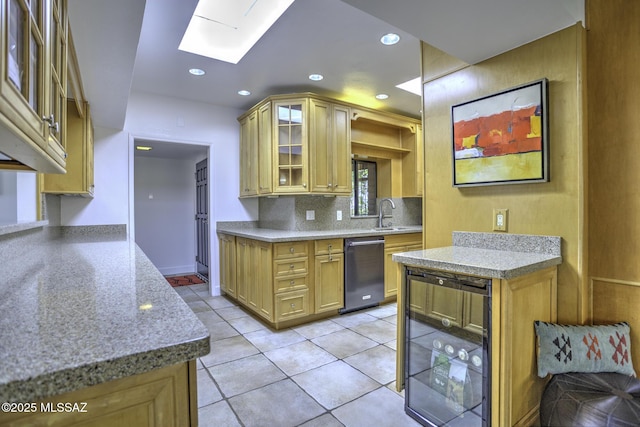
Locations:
column 381, row 214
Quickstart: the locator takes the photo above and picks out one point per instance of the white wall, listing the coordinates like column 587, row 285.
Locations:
column 164, row 203
column 110, row 204
column 17, row 197
column 8, row 197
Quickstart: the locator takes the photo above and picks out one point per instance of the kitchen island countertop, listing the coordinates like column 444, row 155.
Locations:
column 86, row 310
column 501, row 256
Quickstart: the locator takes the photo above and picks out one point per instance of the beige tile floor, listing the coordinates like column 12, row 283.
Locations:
column 334, row 372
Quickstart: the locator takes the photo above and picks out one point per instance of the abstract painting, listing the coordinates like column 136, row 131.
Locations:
column 502, row 138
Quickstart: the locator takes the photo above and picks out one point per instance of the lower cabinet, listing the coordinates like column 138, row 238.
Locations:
column 254, row 286
column 227, row 248
column 163, row 397
column 329, row 275
column 284, row 281
column 292, row 277
column 395, row 243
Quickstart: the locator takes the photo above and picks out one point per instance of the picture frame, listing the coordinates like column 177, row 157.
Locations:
column 502, row 138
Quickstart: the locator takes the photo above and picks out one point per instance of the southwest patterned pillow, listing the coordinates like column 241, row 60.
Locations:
column 598, row 348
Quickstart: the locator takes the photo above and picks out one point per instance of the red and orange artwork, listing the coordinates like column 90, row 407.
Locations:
column 499, row 139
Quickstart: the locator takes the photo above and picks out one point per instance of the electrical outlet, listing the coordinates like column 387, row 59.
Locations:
column 311, row 215
column 500, row 219
column 338, row 215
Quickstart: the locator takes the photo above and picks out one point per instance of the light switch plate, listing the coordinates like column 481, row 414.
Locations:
column 338, row 215
column 311, row 215
column 500, row 219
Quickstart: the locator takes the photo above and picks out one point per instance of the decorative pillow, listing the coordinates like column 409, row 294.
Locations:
column 598, row 348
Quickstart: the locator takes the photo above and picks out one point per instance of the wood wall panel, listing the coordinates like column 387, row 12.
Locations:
column 613, row 41
column 613, row 61
column 554, row 208
column 618, row 301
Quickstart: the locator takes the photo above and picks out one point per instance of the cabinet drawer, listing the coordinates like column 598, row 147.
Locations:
column 291, row 284
column 402, row 239
column 290, row 305
column 290, row 250
column 323, row 247
column 289, row 267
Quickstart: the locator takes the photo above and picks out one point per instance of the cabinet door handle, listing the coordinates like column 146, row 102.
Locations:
column 329, row 185
column 293, row 306
column 304, row 185
column 292, row 282
column 292, row 266
column 291, row 249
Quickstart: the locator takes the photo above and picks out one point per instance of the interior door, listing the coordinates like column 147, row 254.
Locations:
column 202, row 220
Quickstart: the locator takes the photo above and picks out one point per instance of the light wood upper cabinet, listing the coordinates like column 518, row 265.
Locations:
column 290, row 146
column 311, row 139
column 33, row 47
column 265, row 174
column 330, row 148
column 78, row 181
column 249, row 155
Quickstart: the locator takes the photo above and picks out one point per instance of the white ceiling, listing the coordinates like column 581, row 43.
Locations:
column 126, row 46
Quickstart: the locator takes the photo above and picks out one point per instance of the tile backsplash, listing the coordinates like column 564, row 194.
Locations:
column 290, row 212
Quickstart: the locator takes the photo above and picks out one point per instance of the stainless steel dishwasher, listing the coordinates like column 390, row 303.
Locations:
column 363, row 272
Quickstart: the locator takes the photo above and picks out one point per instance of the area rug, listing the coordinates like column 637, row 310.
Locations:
column 184, row 280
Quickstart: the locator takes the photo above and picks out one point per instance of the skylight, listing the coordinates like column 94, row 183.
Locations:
column 412, row 86
column 226, row 30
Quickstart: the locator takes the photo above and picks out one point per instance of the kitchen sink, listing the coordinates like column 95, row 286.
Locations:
column 390, row 228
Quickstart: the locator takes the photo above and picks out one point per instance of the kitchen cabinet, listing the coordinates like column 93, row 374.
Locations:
column 330, row 148
column 78, row 181
column 260, row 288
column 292, row 280
column 227, row 248
column 312, row 139
column 244, row 269
column 413, row 163
column 265, row 174
column 249, row 155
column 329, row 275
column 254, row 277
column 290, row 146
column 165, row 396
column 395, row 243
column 33, row 47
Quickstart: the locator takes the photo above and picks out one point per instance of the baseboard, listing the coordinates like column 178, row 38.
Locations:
column 181, row 269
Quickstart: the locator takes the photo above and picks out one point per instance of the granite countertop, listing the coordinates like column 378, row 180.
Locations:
column 501, row 256
column 274, row 236
column 89, row 311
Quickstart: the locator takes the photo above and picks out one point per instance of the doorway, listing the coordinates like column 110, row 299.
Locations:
column 167, row 210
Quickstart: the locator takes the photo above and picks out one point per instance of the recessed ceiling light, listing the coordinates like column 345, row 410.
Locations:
column 316, row 77
column 143, row 148
column 226, row 30
column 412, row 86
column 382, row 96
column 197, row 71
column 244, row 92
column 390, row 39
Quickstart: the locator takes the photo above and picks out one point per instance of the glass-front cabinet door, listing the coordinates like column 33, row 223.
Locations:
column 58, row 75
column 290, row 157
column 23, row 72
column 33, row 75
